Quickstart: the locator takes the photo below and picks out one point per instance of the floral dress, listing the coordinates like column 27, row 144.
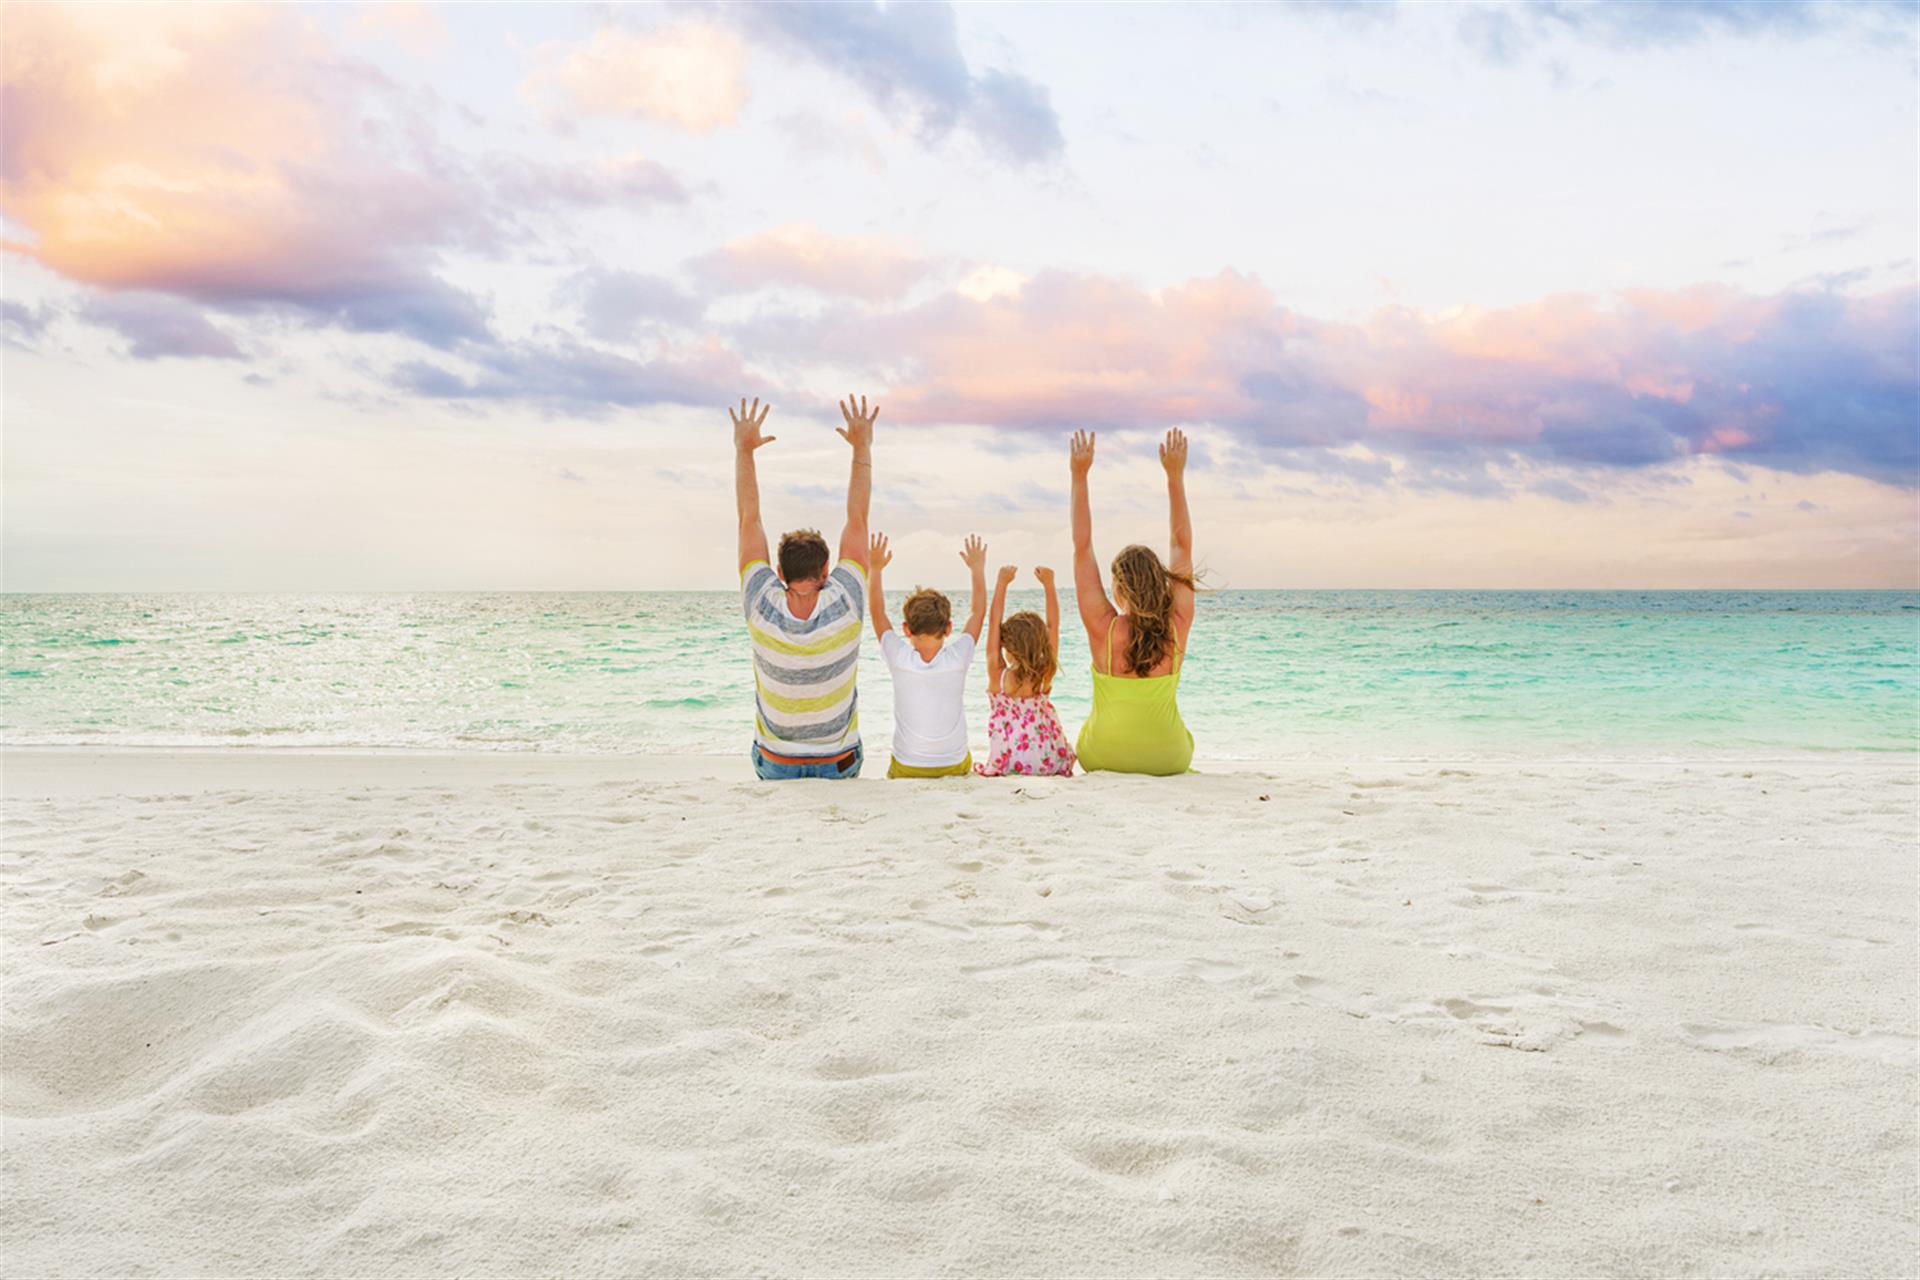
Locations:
column 1024, row 738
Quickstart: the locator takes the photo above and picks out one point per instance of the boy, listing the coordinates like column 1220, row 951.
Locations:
column 929, row 674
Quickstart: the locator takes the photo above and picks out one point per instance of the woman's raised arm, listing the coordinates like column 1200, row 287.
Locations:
column 1173, row 456
column 1096, row 611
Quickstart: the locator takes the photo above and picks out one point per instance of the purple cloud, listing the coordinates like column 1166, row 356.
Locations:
column 617, row 305
column 907, row 57
column 156, row 327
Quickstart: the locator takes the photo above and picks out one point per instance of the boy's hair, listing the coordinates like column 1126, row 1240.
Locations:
column 803, row 555
column 1028, row 651
column 927, row 613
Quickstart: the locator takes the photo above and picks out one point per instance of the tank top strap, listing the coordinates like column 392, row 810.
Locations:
column 1110, row 621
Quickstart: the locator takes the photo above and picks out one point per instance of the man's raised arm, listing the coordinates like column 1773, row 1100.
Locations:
column 859, row 433
column 746, row 480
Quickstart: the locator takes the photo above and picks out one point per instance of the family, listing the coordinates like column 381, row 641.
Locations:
column 805, row 620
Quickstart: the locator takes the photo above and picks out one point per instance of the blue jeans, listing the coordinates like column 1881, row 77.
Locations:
column 774, row 771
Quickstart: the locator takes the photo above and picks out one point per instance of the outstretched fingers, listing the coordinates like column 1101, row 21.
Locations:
column 1173, row 449
column 1081, row 450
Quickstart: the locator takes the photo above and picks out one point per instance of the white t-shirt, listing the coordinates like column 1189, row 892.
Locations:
column 929, row 700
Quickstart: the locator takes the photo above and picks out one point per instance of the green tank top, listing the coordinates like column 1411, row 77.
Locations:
column 1135, row 724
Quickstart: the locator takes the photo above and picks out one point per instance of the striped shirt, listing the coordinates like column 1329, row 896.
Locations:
column 804, row 668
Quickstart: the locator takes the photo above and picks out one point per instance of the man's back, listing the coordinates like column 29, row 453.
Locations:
column 804, row 669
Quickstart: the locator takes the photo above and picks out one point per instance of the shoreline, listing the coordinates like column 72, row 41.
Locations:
column 29, row 772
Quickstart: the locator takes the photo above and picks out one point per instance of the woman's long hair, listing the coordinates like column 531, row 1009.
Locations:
column 1145, row 587
column 1028, row 652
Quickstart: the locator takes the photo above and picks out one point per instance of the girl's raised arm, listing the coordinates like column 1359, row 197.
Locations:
column 1053, row 617
column 1096, row 611
column 995, row 666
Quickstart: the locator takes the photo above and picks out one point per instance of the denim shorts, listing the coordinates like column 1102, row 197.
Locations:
column 774, row 771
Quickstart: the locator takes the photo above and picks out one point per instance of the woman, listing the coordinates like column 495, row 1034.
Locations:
column 1135, row 724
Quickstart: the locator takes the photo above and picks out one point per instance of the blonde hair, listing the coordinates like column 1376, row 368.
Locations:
column 1145, row 587
column 1028, row 652
column 926, row 613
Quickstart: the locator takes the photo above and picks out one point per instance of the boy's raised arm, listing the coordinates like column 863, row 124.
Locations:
column 974, row 552
column 878, row 558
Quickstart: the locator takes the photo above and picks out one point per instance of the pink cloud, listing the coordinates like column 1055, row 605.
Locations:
column 867, row 267
column 688, row 74
column 1805, row 381
column 224, row 153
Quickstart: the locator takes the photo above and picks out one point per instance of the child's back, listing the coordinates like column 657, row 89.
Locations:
column 1024, row 736
column 929, row 702
column 929, row 667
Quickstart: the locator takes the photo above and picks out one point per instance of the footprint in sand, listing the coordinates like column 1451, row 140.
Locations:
column 1767, row 1041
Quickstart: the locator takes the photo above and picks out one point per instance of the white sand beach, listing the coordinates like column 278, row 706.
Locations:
column 281, row 1014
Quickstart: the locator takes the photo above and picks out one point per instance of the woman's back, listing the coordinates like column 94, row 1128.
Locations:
column 1135, row 724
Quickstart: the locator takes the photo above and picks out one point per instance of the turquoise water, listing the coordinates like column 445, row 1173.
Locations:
column 1270, row 674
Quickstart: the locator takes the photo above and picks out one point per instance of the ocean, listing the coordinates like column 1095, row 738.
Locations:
column 1269, row 675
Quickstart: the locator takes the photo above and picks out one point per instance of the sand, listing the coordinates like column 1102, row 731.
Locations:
column 423, row 1016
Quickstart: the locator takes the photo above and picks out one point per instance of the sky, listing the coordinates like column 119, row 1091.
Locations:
column 413, row 296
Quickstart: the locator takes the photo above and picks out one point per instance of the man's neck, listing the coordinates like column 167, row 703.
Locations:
column 928, row 647
column 800, row 604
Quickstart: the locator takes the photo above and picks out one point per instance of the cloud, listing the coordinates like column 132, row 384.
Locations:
column 571, row 377
column 1802, row 381
column 616, row 305
column 630, row 180
column 415, row 27
column 22, row 325
column 156, row 326
column 224, row 154
column 906, row 58
column 1504, row 32
column 233, row 157
column 689, row 74
column 796, row 254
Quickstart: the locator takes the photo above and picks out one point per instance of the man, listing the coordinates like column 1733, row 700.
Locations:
column 804, row 621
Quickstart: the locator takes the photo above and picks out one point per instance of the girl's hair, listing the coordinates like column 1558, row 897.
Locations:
column 1028, row 651
column 1145, row 587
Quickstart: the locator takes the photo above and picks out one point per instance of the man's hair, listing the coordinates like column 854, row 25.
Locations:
column 927, row 613
column 803, row 555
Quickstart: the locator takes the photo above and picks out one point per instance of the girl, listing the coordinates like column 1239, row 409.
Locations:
column 1023, row 730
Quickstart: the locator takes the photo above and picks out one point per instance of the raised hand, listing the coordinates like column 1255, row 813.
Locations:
column 1082, row 455
column 878, row 557
column 859, row 429
column 1173, row 452
column 746, row 425
column 1044, row 574
column 1007, row 574
column 974, row 553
